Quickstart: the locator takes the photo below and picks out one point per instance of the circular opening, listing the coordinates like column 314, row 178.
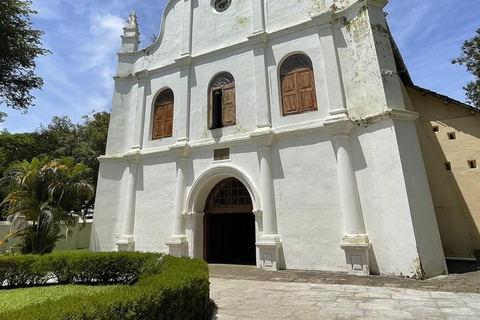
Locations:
column 221, row 5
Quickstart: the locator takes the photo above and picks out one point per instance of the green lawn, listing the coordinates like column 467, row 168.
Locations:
column 13, row 299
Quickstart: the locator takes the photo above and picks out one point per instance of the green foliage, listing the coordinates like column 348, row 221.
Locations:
column 61, row 138
column 471, row 59
column 20, row 45
column 48, row 195
column 83, row 142
column 167, row 288
column 15, row 147
column 77, row 267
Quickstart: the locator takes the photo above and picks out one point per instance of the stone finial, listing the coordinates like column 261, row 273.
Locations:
column 132, row 21
column 131, row 35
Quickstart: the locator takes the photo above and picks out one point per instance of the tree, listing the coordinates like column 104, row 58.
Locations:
column 83, row 142
column 93, row 136
column 471, row 59
column 61, row 138
column 49, row 197
column 20, row 45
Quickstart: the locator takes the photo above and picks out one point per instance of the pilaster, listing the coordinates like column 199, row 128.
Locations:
column 258, row 10
column 178, row 244
column 355, row 243
column 187, row 28
column 269, row 243
column 261, row 85
column 182, row 109
column 140, row 110
column 127, row 241
column 336, row 91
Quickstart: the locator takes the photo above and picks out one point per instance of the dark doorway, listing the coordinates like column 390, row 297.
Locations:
column 229, row 224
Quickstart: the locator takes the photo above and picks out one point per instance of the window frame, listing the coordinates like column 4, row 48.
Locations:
column 298, row 69
column 216, row 85
column 163, row 94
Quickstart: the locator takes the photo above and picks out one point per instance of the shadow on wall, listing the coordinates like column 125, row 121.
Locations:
column 454, row 186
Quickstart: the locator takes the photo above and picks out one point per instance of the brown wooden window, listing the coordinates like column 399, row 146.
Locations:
column 298, row 85
column 163, row 115
column 221, row 106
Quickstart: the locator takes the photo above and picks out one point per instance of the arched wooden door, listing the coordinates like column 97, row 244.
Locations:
column 229, row 224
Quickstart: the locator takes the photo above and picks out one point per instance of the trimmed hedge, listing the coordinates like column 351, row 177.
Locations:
column 157, row 286
column 79, row 267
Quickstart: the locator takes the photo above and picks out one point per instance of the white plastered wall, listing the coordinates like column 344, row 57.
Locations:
column 109, row 206
column 309, row 214
column 396, row 200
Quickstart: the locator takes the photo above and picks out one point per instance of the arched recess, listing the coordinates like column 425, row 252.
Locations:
column 197, row 199
column 200, row 190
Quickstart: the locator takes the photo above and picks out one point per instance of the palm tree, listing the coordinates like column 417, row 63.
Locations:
column 49, row 198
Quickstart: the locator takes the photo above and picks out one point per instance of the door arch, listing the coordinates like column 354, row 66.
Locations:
column 229, row 224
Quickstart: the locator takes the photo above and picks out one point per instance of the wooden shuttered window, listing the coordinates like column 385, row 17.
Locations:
column 228, row 106
column 298, row 85
column 163, row 115
column 222, row 102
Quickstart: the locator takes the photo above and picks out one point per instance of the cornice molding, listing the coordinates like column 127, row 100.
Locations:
column 263, row 136
column 395, row 114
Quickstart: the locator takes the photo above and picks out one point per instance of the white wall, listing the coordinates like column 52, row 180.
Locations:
column 79, row 239
column 310, row 219
column 109, row 206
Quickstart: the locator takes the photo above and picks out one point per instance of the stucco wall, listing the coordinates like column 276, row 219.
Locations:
column 122, row 118
column 78, row 239
column 309, row 214
column 154, row 204
column 455, row 193
column 224, row 29
column 281, row 14
column 109, row 206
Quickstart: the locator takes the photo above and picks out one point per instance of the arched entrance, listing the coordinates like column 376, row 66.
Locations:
column 229, row 224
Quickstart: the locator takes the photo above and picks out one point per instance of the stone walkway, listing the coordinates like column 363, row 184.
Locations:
column 249, row 299
column 467, row 282
column 244, row 292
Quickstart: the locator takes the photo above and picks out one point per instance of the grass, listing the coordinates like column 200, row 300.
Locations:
column 15, row 299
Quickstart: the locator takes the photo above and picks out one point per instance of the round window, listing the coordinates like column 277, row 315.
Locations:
column 222, row 5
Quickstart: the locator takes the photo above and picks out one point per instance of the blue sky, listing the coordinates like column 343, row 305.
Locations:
column 84, row 36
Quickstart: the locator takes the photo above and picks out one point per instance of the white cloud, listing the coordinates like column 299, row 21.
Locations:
column 47, row 9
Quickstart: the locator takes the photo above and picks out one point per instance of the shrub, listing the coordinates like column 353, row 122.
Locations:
column 162, row 287
column 79, row 267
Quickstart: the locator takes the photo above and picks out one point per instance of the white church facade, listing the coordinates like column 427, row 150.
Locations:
column 271, row 133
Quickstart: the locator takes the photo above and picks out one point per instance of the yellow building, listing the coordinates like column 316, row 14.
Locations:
column 449, row 134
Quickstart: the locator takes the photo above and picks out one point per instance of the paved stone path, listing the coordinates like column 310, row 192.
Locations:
column 245, row 292
column 249, row 299
column 467, row 282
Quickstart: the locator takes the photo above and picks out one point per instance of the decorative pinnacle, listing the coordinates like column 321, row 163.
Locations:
column 132, row 21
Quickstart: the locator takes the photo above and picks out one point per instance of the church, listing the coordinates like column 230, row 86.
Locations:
column 274, row 133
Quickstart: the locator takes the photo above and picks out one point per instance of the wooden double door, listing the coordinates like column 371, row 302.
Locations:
column 229, row 225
